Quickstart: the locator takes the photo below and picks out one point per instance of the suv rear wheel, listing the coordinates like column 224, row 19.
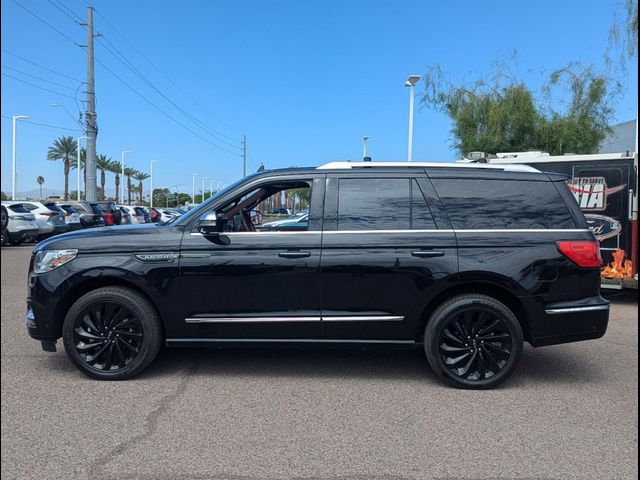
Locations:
column 473, row 341
column 112, row 333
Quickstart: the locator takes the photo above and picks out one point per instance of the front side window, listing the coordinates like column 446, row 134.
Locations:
column 382, row 204
column 278, row 206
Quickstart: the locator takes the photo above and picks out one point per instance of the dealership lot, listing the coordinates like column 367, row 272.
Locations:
column 570, row 411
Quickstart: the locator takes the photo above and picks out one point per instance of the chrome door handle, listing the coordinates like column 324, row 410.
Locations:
column 294, row 254
column 427, row 253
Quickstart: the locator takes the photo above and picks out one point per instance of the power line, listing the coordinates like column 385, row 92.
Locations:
column 162, row 111
column 38, row 78
column 59, row 6
column 41, row 66
column 186, row 94
column 45, row 22
column 45, row 125
column 122, row 59
column 68, row 12
column 37, row 86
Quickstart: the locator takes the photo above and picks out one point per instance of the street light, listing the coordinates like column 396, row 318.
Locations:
column 364, row 146
column 13, row 155
column 78, row 165
column 122, row 154
column 411, row 83
column 151, row 199
column 193, row 188
column 203, row 179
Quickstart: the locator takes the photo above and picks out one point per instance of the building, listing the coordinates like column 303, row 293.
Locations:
column 621, row 139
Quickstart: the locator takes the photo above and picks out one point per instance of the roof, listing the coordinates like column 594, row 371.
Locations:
column 539, row 157
column 482, row 166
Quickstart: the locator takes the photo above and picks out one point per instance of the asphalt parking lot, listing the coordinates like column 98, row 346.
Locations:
column 569, row 411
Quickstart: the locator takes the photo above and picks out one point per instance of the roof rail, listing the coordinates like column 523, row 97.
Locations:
column 485, row 166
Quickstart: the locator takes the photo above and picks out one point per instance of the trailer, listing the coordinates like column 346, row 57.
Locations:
column 606, row 188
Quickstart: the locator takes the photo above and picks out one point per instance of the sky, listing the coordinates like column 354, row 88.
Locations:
column 303, row 80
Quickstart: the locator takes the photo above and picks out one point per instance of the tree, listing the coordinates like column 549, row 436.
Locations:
column 140, row 177
column 63, row 148
column 128, row 172
column 40, row 181
column 3, row 196
column 103, row 164
column 502, row 114
column 115, row 167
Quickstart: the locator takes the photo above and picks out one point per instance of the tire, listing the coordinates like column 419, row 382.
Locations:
column 112, row 333
column 5, row 238
column 473, row 341
column 4, row 218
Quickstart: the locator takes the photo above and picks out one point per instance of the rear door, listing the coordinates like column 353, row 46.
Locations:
column 383, row 255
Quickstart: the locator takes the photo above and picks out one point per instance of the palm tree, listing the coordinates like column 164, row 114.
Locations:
column 129, row 172
column 40, row 181
column 103, row 163
column 140, row 177
column 115, row 167
column 64, row 148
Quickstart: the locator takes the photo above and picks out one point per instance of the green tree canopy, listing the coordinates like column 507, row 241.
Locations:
column 570, row 113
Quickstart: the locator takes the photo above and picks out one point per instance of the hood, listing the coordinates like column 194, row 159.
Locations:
column 121, row 238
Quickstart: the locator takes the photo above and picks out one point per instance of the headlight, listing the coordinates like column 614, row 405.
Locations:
column 47, row 260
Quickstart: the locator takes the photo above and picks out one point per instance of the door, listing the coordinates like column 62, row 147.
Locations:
column 602, row 191
column 256, row 283
column 383, row 256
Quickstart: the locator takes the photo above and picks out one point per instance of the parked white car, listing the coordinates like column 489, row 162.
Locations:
column 136, row 216
column 50, row 222
column 71, row 216
column 21, row 226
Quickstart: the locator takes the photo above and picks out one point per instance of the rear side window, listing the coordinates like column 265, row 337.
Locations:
column 53, row 206
column 382, row 204
column 18, row 208
column 96, row 208
column 502, row 204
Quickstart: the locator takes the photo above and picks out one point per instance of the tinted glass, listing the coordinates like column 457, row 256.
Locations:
column 96, row 208
column 374, row 204
column 18, row 208
column 54, row 207
column 487, row 204
column 68, row 209
column 421, row 217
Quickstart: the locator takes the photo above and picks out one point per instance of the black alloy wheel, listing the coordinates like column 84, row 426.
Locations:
column 108, row 336
column 473, row 341
column 112, row 333
column 475, row 344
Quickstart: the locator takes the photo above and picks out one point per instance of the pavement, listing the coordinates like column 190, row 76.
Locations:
column 569, row 412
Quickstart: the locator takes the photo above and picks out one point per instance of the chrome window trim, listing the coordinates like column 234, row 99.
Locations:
column 589, row 308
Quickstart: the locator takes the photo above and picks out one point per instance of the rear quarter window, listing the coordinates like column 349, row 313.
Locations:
column 502, row 204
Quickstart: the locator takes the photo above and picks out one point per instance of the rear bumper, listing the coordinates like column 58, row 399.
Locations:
column 572, row 321
column 74, row 226
column 22, row 234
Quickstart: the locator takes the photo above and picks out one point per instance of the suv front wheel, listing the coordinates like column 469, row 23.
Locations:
column 473, row 341
column 112, row 333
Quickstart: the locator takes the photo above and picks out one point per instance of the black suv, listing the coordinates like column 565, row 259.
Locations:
column 467, row 260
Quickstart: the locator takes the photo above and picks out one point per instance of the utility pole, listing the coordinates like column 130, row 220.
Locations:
column 90, row 114
column 244, row 156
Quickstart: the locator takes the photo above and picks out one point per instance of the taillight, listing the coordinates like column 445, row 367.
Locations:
column 48, row 214
column 585, row 254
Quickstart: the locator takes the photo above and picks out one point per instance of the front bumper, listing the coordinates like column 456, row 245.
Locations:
column 571, row 321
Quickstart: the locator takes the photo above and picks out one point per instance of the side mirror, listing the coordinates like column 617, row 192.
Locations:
column 209, row 224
